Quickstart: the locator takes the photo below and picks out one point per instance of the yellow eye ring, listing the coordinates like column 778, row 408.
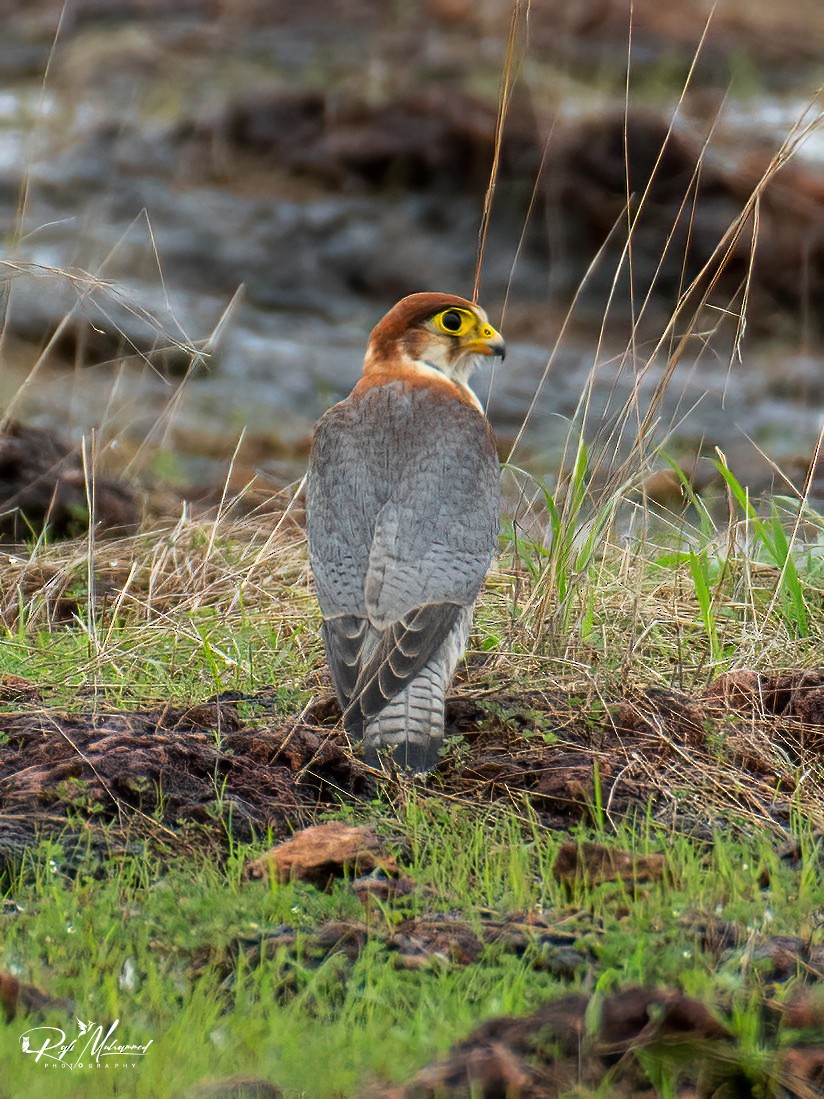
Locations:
column 454, row 322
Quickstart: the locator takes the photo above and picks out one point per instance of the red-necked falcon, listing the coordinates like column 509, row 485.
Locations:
column 403, row 503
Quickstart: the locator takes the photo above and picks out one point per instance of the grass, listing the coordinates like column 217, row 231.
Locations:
column 198, row 608
column 153, row 946
column 176, row 614
column 152, row 940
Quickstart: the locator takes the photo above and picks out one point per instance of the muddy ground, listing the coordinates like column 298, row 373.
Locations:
column 192, row 771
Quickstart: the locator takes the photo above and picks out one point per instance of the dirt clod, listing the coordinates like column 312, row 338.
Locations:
column 594, row 863
column 738, row 689
column 43, row 484
column 379, row 886
column 640, row 1016
column 167, row 770
column 14, row 688
column 17, row 998
column 803, row 1009
column 547, row 1053
column 781, row 957
column 420, row 941
column 322, row 853
column 803, row 1067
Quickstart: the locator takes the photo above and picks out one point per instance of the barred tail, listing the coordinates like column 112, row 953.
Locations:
column 411, row 724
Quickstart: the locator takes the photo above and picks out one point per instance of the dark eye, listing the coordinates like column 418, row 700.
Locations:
column 452, row 321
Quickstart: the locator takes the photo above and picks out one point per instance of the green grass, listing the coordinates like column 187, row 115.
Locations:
column 184, row 663
column 199, row 608
column 175, row 616
column 326, row 1030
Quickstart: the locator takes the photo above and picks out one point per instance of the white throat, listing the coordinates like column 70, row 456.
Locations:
column 460, row 376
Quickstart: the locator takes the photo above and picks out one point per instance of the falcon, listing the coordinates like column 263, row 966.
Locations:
column 403, row 503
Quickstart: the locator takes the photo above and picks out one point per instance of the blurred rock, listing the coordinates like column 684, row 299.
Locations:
column 43, row 487
column 594, row 165
column 559, row 1048
column 803, row 1009
column 781, row 957
column 15, row 688
column 802, row 1071
column 668, row 489
column 17, row 998
column 438, row 138
column 593, row 864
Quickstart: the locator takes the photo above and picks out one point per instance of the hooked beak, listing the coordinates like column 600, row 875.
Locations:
column 490, row 342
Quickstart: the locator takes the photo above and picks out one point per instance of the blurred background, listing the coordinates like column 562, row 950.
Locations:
column 206, row 205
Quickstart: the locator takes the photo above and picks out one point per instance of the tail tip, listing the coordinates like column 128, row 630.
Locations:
column 408, row 756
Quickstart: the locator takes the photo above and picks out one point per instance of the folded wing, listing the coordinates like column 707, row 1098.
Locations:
column 402, row 516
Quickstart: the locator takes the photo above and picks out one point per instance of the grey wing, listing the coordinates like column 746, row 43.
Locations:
column 433, row 541
column 340, row 509
column 435, row 535
column 338, row 526
column 401, row 652
column 403, row 507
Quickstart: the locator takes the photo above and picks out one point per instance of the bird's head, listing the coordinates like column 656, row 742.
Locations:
column 441, row 332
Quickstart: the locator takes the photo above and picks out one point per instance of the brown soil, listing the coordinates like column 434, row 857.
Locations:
column 18, row 998
column 175, row 771
column 443, row 140
column 322, row 853
column 594, row 164
column 730, row 753
column 601, row 1043
column 416, row 942
column 550, row 1051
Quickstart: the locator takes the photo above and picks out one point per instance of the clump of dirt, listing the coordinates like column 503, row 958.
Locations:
column 595, row 164
column 19, row 998
column 579, row 758
column 795, row 694
column 604, row 1041
column 439, row 138
column 433, row 941
column 174, row 770
column 594, row 864
column 323, row 853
